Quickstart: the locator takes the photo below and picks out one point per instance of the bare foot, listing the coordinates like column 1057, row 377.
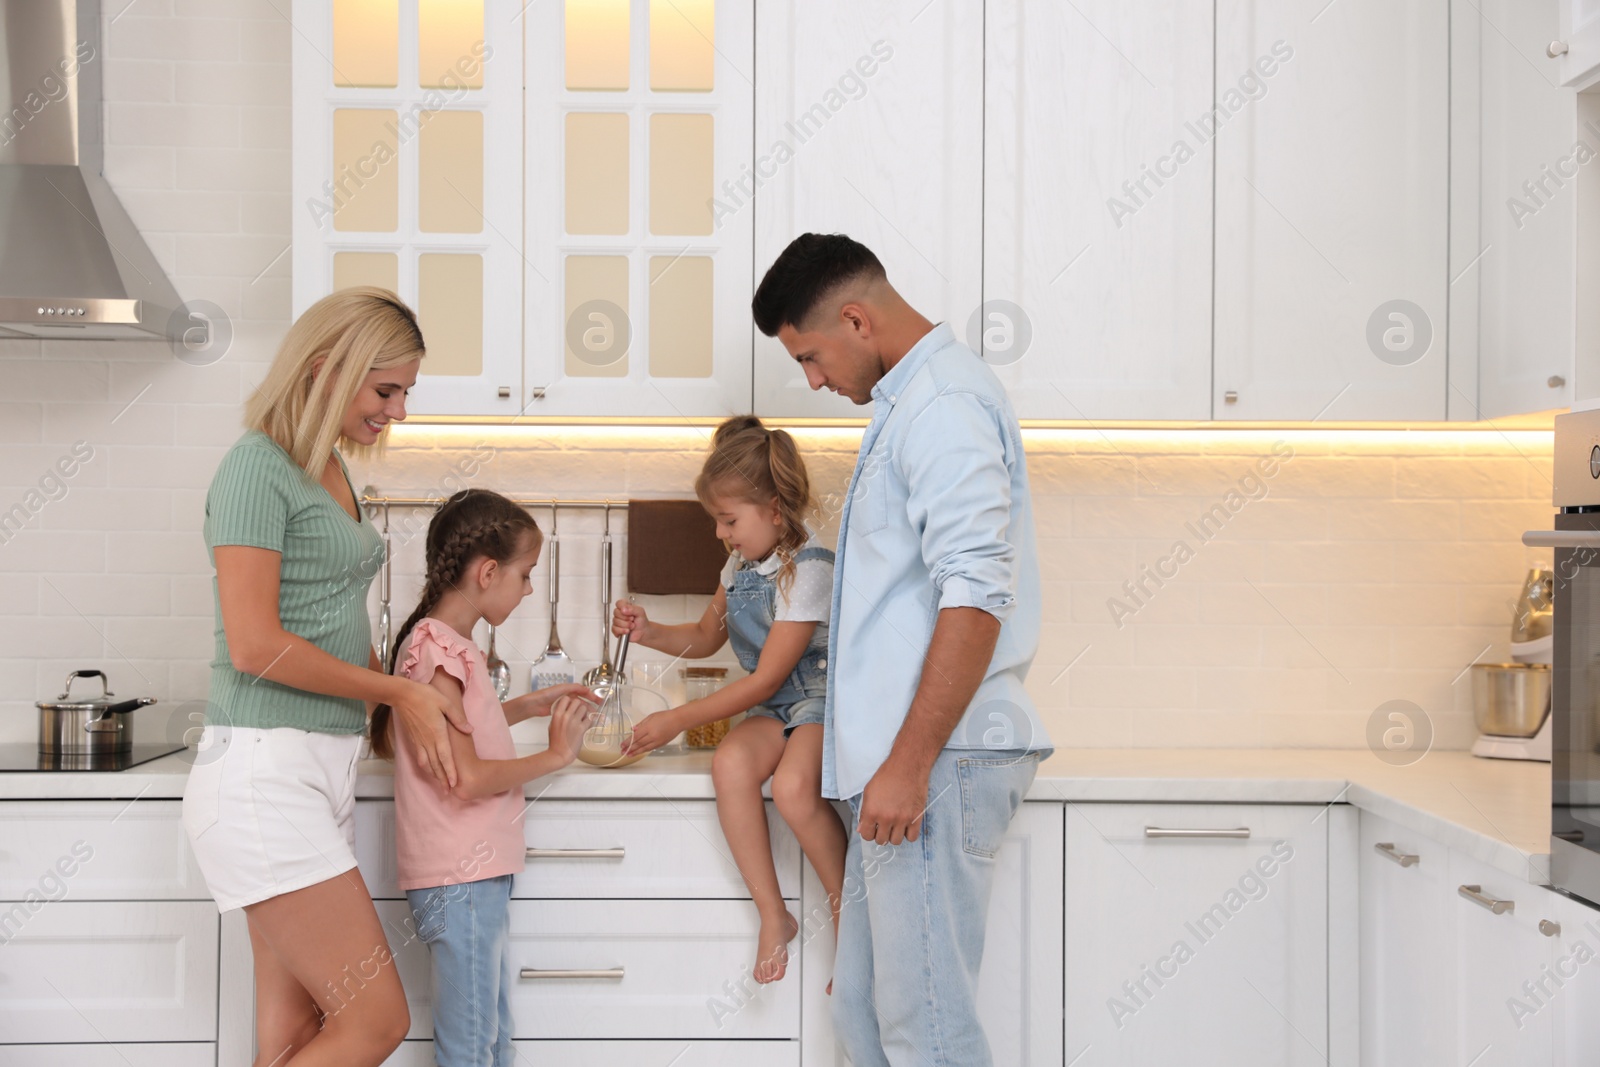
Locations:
column 772, row 952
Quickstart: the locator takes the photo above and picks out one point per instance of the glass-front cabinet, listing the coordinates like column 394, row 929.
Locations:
column 540, row 182
column 407, row 136
column 637, row 274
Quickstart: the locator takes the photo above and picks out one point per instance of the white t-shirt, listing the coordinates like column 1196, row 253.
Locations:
column 810, row 598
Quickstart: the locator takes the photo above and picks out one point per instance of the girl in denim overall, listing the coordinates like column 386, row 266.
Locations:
column 773, row 603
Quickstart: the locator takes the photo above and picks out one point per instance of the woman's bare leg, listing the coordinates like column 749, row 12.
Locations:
column 797, row 790
column 744, row 760
column 286, row 1016
column 326, row 939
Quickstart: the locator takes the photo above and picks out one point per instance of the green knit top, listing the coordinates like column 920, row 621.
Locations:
column 260, row 498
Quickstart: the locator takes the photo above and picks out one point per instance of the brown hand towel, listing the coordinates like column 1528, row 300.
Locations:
column 672, row 548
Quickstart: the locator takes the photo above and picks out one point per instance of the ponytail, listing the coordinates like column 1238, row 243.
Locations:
column 761, row 466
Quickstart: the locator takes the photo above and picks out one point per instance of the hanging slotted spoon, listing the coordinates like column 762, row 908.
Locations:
column 553, row 666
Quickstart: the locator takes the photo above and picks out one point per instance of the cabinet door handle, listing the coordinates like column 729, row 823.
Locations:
column 1404, row 859
column 1475, row 894
column 534, row 972
column 1166, row 831
column 1562, row 538
column 576, row 853
column 1549, row 929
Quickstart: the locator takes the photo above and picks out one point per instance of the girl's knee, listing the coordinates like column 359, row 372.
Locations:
column 731, row 765
column 796, row 792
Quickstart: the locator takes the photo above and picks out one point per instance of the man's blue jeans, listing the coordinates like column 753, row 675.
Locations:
column 905, row 980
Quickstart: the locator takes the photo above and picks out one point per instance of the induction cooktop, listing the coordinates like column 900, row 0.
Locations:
column 27, row 757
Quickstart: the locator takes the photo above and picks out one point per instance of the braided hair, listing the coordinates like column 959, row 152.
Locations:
column 760, row 466
column 472, row 524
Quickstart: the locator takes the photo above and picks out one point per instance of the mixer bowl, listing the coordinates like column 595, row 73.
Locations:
column 1510, row 699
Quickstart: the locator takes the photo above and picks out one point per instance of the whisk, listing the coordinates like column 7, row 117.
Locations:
column 602, row 742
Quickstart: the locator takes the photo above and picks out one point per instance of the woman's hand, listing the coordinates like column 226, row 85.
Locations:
column 629, row 618
column 541, row 701
column 569, row 719
column 650, row 733
column 427, row 715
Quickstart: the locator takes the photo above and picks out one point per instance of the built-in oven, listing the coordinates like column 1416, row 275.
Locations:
column 1575, row 681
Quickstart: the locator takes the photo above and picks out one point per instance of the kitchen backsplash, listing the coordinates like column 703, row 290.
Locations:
column 1203, row 587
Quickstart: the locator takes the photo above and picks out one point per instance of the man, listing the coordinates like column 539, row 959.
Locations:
column 929, row 733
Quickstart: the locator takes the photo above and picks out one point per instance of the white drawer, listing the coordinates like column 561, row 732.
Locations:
column 97, row 850
column 606, row 849
column 133, row 1054
column 626, row 1054
column 679, row 960
column 97, row 971
column 669, row 848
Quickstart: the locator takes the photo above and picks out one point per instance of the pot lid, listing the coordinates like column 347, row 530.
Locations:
column 65, row 702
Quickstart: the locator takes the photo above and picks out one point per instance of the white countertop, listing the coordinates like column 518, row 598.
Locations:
column 1496, row 811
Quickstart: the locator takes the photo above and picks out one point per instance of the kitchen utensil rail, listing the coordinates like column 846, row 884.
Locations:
column 372, row 498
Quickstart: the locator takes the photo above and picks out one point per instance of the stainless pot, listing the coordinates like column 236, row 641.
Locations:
column 86, row 727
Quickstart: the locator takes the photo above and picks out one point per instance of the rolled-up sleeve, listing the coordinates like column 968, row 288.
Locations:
column 953, row 459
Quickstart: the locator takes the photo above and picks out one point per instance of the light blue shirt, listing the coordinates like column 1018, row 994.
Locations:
column 938, row 516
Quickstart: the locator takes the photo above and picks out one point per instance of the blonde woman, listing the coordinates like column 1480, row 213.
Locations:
column 270, row 802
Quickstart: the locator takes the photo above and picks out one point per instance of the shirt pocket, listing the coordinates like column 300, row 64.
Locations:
column 869, row 504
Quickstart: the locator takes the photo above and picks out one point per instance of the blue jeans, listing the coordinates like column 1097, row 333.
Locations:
column 911, row 928
column 466, row 929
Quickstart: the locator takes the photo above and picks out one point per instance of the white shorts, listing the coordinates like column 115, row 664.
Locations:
column 270, row 811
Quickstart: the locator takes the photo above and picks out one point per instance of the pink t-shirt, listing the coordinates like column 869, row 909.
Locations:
column 441, row 839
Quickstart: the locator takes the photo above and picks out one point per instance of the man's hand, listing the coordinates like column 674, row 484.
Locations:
column 893, row 803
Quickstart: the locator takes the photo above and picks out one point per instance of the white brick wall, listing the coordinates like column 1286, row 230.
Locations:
column 1376, row 568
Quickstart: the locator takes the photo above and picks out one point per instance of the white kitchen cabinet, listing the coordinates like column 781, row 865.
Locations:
column 1577, row 48
column 110, row 971
column 676, row 965
column 127, row 1054
column 1189, row 942
column 637, row 282
column 1572, row 990
column 627, row 1054
column 96, row 850
column 668, row 968
column 869, row 122
column 603, row 849
column 1332, row 210
column 407, row 174
column 1019, row 984
column 1407, row 948
column 1097, row 201
column 1513, row 191
column 1495, row 955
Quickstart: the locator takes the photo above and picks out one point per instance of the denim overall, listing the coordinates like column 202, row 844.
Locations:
column 752, row 608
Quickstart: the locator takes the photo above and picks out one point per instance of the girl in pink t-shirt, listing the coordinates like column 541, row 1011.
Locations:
column 458, row 849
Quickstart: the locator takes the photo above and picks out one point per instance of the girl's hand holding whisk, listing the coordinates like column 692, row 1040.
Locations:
column 629, row 618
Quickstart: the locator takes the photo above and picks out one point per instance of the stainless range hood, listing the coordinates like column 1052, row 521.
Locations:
column 72, row 265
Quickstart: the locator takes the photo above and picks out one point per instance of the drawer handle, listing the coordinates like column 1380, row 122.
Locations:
column 1404, row 859
column 1475, row 894
column 1162, row 831
column 1549, row 929
column 534, row 972
column 576, row 853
